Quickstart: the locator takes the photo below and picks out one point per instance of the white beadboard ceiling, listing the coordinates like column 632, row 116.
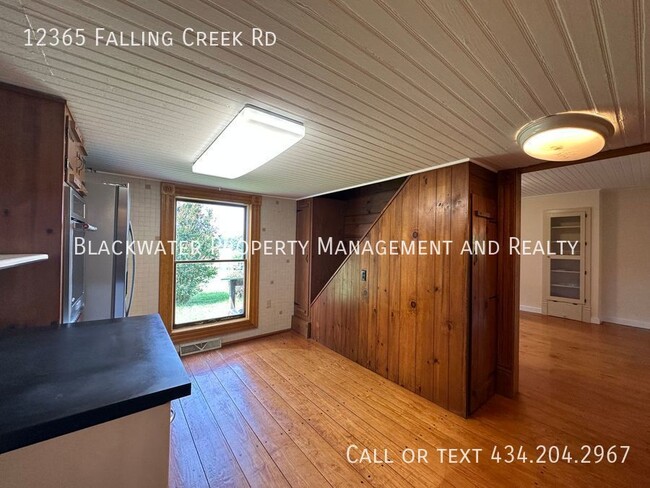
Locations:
column 621, row 172
column 384, row 87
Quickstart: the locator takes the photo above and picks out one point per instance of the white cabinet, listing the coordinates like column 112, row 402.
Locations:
column 129, row 452
column 567, row 272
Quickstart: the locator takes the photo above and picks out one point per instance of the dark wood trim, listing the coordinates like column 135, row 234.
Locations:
column 509, row 225
column 169, row 192
column 166, row 263
column 32, row 93
column 211, row 330
column 613, row 153
column 215, row 194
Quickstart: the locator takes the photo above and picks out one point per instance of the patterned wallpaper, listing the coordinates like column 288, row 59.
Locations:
column 278, row 222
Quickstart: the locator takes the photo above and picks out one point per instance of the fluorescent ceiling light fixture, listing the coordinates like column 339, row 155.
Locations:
column 565, row 137
column 252, row 138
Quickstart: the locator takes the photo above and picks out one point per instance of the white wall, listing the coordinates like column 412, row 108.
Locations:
column 278, row 222
column 532, row 228
column 625, row 273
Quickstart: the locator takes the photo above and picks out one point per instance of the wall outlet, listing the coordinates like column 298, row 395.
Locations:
column 268, row 304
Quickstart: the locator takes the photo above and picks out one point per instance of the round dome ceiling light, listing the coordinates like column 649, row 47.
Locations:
column 565, row 137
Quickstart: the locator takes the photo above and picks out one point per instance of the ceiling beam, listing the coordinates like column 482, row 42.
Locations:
column 613, row 153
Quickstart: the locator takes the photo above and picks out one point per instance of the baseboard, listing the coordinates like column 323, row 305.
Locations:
column 252, row 338
column 641, row 324
column 526, row 308
column 301, row 326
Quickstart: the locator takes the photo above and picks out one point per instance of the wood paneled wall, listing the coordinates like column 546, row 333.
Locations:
column 409, row 320
column 32, row 140
column 342, row 216
column 484, row 288
column 326, row 222
column 363, row 206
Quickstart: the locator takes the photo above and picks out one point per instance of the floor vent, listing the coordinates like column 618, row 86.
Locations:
column 199, row 346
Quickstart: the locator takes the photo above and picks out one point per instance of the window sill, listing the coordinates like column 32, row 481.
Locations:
column 209, row 330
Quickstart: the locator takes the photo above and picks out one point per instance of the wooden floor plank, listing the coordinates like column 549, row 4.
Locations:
column 307, row 427
column 306, row 418
column 255, row 462
column 580, row 384
column 219, row 464
column 362, row 427
column 185, row 468
column 296, row 467
column 330, row 425
column 509, row 428
column 392, row 428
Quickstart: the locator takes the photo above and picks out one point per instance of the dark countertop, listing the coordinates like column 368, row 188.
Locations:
column 60, row 379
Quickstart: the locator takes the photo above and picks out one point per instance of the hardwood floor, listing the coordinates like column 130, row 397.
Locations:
column 282, row 411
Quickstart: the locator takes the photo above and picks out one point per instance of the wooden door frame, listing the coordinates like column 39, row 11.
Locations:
column 509, row 204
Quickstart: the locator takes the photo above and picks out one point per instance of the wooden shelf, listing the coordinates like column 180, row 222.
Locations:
column 564, row 256
column 11, row 260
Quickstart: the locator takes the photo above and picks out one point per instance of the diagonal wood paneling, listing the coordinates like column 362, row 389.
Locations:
column 384, row 87
column 409, row 321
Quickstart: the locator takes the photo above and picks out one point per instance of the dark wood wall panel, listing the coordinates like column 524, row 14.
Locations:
column 363, row 206
column 409, row 320
column 32, row 139
column 326, row 222
column 408, row 233
column 484, row 296
column 394, row 290
column 302, row 297
column 459, row 290
column 442, row 273
column 509, row 203
column 342, row 216
column 483, row 332
column 425, row 296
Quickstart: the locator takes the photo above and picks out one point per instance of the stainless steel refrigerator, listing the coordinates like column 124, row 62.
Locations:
column 109, row 268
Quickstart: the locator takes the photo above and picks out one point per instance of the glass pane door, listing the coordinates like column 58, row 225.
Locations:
column 565, row 235
column 565, row 279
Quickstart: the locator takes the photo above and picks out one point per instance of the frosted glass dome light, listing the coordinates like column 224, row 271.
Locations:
column 565, row 137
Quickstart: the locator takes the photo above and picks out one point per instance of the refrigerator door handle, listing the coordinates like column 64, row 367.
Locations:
column 130, row 289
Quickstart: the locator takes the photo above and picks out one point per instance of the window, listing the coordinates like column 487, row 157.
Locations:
column 208, row 280
column 210, row 262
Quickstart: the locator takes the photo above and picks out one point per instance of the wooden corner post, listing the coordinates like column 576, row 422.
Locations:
column 509, row 210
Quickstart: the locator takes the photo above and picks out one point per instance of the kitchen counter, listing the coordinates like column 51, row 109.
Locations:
column 61, row 379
